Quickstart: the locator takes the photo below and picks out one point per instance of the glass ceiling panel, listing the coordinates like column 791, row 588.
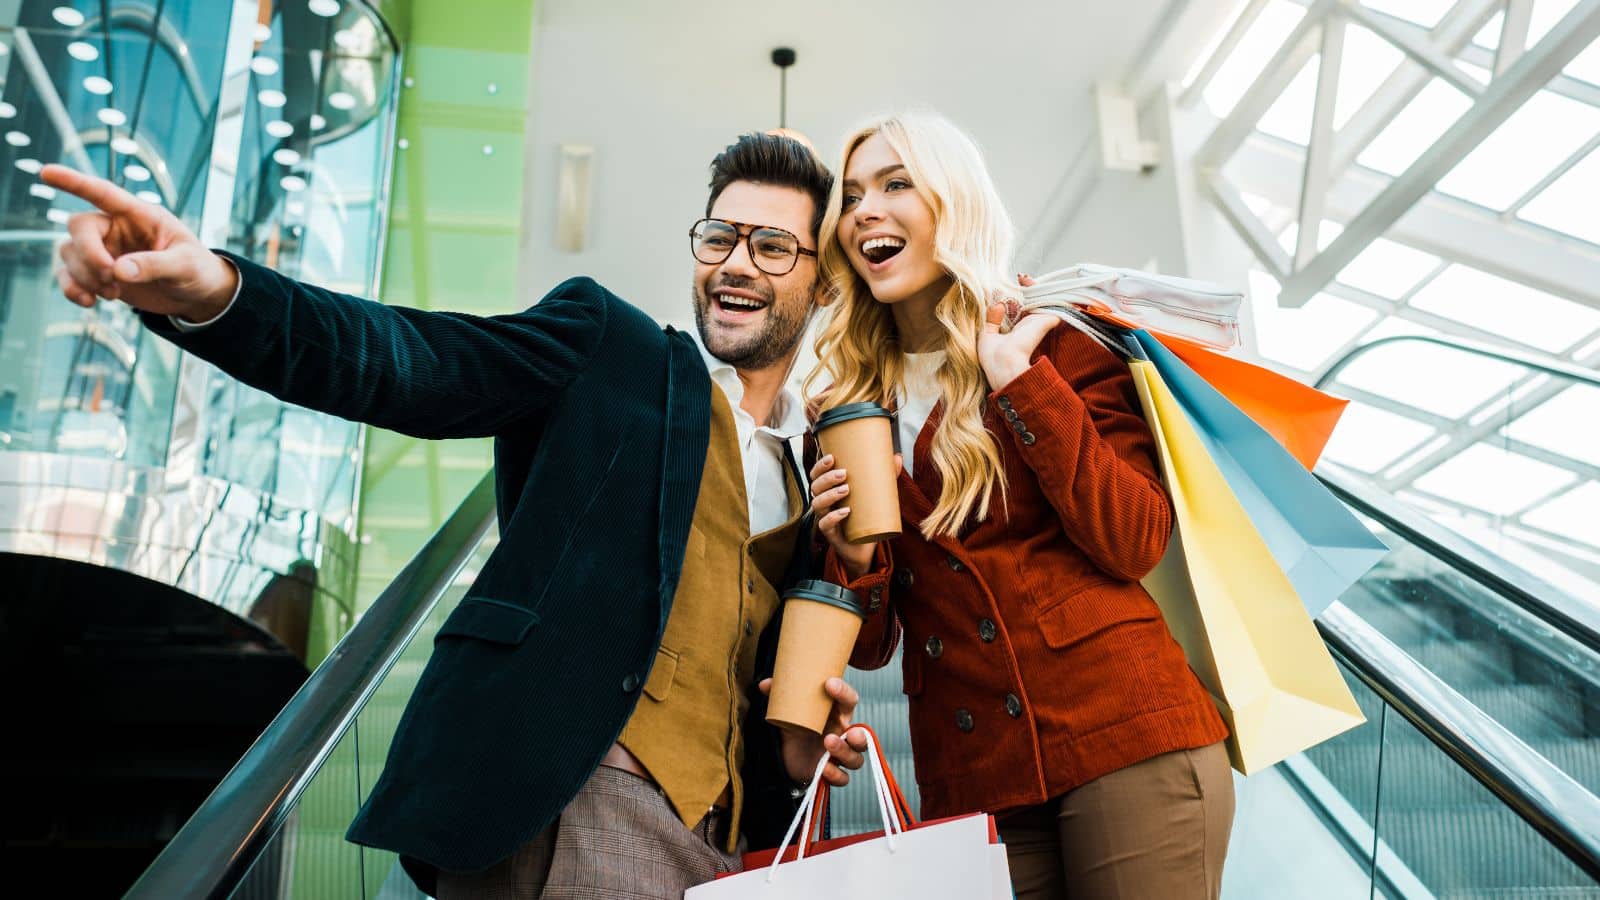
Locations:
column 1426, row 13
column 1415, row 129
column 1571, row 515
column 1568, row 204
column 1566, row 424
column 1249, row 57
column 1540, row 135
column 1368, row 61
column 1430, row 377
column 1488, row 37
column 1368, row 438
column 1493, row 480
column 1506, row 308
column 1388, row 269
column 1289, row 117
column 1587, row 64
column 1546, row 13
column 1303, row 338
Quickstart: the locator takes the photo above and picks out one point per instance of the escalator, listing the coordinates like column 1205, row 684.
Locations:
column 1475, row 775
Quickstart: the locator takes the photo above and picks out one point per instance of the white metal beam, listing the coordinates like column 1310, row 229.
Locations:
column 1314, row 183
column 1513, row 34
column 1224, row 49
column 1422, row 51
column 1247, row 225
column 1504, row 96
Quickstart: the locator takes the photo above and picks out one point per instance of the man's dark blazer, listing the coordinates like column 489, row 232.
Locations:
column 601, row 423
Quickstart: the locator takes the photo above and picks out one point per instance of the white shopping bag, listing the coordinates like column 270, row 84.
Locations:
column 951, row 859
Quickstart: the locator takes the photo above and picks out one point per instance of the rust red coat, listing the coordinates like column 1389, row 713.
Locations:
column 1035, row 662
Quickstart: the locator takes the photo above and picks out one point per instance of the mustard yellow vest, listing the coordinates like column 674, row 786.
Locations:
column 686, row 730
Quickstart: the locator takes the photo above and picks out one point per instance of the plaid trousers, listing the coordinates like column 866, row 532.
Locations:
column 618, row 839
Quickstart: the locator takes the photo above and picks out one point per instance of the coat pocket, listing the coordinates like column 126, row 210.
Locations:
column 495, row 621
column 659, row 685
column 1092, row 609
column 910, row 669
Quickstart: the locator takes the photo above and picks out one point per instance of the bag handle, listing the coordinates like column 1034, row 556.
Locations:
column 892, row 805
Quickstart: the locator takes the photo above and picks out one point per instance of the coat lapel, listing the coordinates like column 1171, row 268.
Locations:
column 685, row 439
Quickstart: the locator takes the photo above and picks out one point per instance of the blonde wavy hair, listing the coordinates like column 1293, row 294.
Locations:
column 858, row 346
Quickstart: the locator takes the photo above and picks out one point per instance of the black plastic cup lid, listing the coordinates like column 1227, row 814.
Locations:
column 849, row 411
column 826, row 592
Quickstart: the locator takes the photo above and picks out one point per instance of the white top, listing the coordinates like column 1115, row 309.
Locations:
column 760, row 447
column 916, row 396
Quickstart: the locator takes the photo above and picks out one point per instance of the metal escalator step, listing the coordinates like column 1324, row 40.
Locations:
column 1477, row 848
column 1530, row 711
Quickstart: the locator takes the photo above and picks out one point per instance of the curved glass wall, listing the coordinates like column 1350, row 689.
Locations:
column 267, row 127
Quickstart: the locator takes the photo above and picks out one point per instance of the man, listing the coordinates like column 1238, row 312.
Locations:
column 577, row 731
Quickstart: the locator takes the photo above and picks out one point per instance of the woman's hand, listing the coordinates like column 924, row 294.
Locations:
column 828, row 490
column 1008, row 339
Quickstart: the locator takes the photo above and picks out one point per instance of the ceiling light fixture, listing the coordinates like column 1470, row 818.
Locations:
column 112, row 116
column 318, row 122
column 18, row 139
column 31, row 166
column 7, row 111
column 83, row 51
column 42, row 191
column 263, row 33
column 341, row 100
column 783, row 58
column 67, row 16
column 149, row 197
column 324, row 8
column 285, row 157
column 96, row 85
column 272, row 99
column 127, row 146
column 264, row 66
column 136, row 173
column 278, row 128
column 292, row 183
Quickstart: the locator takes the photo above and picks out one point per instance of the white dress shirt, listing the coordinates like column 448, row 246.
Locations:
column 760, row 446
column 916, row 397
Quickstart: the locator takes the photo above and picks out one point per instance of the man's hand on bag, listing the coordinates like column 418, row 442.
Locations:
column 136, row 252
column 846, row 745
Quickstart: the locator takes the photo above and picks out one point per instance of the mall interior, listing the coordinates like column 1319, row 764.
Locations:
column 215, row 604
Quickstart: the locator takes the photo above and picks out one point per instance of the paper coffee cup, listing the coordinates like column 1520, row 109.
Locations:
column 861, row 438
column 820, row 624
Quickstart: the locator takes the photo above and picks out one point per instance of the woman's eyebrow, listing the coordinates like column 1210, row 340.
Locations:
column 851, row 182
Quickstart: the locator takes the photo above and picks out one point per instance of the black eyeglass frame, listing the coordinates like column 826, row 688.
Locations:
column 744, row 231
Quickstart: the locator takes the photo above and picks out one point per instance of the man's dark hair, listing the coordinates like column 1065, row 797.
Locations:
column 775, row 160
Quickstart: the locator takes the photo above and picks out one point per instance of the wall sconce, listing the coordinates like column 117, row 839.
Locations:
column 572, row 196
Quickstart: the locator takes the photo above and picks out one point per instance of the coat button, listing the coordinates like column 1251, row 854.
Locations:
column 1028, row 438
column 904, row 578
column 630, row 683
column 1011, row 415
column 875, row 601
column 964, row 721
column 1004, row 401
column 749, row 627
column 935, row 647
column 749, row 584
column 955, row 565
column 1013, row 706
column 986, row 630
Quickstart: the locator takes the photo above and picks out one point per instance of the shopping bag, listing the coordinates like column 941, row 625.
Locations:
column 1195, row 310
column 1245, row 631
column 1316, row 540
column 1297, row 415
column 957, row 858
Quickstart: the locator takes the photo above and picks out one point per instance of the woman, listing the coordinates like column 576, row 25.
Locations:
column 1043, row 684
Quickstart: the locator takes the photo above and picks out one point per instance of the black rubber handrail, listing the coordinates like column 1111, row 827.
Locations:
column 214, row 850
column 1553, row 803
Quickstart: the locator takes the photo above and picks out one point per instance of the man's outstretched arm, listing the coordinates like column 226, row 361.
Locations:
column 423, row 373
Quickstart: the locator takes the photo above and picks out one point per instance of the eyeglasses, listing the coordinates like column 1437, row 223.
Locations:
column 773, row 250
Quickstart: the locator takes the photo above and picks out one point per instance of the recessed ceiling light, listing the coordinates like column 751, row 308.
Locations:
column 94, row 84
column 285, row 157
column 263, row 33
column 404, row 144
column 323, row 8
column 341, row 100
column 18, row 139
column 136, row 173
column 67, row 16
column 292, row 183
column 296, row 209
column 4, row 49
column 264, row 66
column 347, row 39
column 149, row 197
column 42, row 191
column 127, row 146
column 112, row 116
column 318, row 123
column 7, row 111
column 31, row 166
column 58, row 216
column 488, row 149
column 278, row 128
column 83, row 51
column 272, row 99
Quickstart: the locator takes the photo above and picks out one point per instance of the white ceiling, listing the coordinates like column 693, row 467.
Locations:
column 658, row 87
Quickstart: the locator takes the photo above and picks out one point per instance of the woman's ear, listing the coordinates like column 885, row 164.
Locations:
column 823, row 294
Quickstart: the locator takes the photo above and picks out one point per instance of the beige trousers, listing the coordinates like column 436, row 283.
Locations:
column 1156, row 830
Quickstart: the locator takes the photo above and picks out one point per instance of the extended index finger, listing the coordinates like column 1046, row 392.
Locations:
column 102, row 193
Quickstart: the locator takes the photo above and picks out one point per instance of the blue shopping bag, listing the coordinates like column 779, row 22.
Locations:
column 1320, row 545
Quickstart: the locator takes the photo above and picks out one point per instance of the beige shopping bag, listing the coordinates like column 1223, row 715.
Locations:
column 1233, row 610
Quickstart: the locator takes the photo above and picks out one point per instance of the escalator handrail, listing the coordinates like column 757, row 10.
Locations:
column 1549, row 365
column 1554, row 804
column 1573, row 617
column 213, row 851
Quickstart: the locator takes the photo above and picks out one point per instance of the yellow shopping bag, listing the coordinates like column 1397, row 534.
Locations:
column 1233, row 610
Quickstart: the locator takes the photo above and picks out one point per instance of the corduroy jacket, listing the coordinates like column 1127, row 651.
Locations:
column 601, row 421
column 1034, row 661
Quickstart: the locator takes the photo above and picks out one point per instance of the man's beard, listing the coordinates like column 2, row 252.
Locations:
column 785, row 324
